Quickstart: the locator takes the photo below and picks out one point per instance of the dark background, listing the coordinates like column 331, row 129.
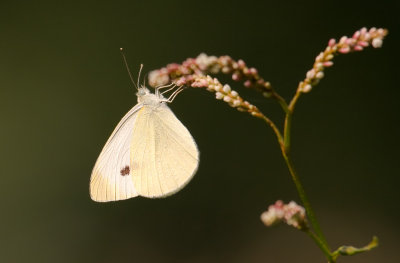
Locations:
column 63, row 88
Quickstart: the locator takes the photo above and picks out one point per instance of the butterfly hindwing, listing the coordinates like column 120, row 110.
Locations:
column 164, row 155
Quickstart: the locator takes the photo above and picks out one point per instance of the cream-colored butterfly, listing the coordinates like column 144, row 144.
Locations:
column 150, row 153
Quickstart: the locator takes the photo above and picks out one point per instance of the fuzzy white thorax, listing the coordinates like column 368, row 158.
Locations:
column 144, row 96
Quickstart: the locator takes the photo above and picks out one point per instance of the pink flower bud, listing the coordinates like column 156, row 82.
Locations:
column 358, row 48
column 253, row 71
column 363, row 43
column 310, row 74
column 181, row 81
column 356, row 35
column 332, row 42
column 200, row 83
column 173, row 67
column 247, row 84
column 350, row 41
column 342, row 39
column 344, row 50
column 363, row 30
column 319, row 57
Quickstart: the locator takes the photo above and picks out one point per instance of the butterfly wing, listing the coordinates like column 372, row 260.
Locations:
column 164, row 156
column 111, row 179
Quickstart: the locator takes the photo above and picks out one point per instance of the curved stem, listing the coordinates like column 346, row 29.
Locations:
column 293, row 102
column 281, row 101
column 275, row 129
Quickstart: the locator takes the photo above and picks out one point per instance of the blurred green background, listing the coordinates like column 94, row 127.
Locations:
column 63, row 88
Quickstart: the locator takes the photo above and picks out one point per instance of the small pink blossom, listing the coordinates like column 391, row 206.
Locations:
column 344, row 50
column 358, row 48
column 247, row 83
column 291, row 214
column 235, row 77
column 332, row 42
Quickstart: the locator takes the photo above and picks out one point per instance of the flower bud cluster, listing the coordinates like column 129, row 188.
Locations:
column 222, row 92
column 291, row 214
column 360, row 39
column 204, row 65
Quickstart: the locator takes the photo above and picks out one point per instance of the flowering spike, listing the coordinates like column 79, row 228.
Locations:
column 204, row 65
column 360, row 40
column 222, row 92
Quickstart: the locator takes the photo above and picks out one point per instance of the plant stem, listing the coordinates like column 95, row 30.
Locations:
column 321, row 245
column 296, row 179
column 294, row 100
column 285, row 145
column 281, row 101
column 304, row 199
column 286, row 133
column 274, row 128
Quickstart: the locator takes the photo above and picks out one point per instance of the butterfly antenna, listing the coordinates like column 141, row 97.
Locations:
column 127, row 68
column 140, row 71
column 144, row 79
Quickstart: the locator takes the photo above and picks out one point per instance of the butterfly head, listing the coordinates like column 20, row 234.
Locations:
column 146, row 97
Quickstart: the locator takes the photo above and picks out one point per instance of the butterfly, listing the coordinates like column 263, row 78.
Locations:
column 150, row 153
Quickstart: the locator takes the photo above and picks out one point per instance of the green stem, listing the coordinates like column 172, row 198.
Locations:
column 321, row 245
column 286, row 132
column 295, row 178
column 275, row 129
column 304, row 200
column 293, row 102
column 284, row 142
column 281, row 101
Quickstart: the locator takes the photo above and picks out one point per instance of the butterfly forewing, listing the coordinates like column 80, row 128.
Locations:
column 111, row 179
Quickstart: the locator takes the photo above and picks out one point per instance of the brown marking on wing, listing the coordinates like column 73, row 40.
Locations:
column 125, row 170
